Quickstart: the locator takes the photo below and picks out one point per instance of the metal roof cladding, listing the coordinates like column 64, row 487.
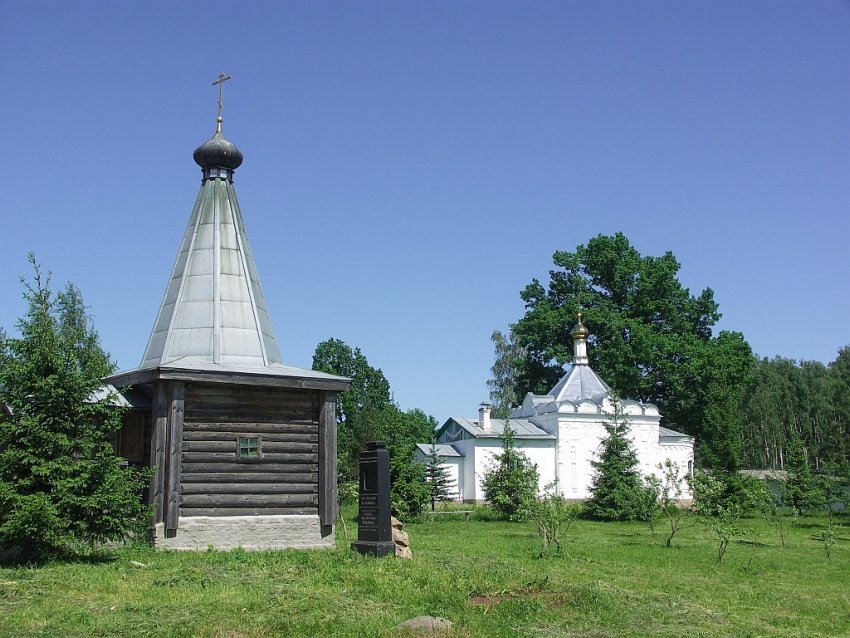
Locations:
column 214, row 312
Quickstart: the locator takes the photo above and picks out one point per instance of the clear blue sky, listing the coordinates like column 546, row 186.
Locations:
column 410, row 166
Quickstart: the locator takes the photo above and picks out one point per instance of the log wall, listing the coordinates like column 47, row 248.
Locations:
column 284, row 479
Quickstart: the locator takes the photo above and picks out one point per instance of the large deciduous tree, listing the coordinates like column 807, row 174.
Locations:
column 651, row 339
column 370, row 389
column 361, row 406
column 60, row 479
column 367, row 412
column 838, row 391
column 508, row 361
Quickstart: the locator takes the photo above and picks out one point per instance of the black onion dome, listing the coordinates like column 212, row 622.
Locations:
column 217, row 152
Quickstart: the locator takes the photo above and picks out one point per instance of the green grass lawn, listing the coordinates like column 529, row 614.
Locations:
column 615, row 579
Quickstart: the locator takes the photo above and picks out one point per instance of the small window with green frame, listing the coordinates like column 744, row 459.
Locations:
column 248, row 447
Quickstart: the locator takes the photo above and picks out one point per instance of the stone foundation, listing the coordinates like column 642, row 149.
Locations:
column 253, row 533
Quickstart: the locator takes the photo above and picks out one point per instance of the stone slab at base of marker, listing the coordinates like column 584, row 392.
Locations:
column 374, row 532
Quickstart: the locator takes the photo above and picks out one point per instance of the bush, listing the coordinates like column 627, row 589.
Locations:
column 720, row 499
column 667, row 493
column 29, row 521
column 710, row 494
column 834, row 496
column 409, row 492
column 553, row 516
column 726, row 491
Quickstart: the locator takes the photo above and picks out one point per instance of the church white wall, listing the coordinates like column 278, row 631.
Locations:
column 542, row 453
column 580, row 439
column 466, row 470
column 644, row 435
column 579, row 442
column 484, row 451
column 539, row 452
column 568, row 459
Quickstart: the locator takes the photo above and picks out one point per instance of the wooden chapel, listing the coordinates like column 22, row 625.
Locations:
column 243, row 446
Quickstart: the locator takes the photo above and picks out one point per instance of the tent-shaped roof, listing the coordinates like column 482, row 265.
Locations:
column 214, row 312
column 214, row 317
column 580, row 389
column 579, row 384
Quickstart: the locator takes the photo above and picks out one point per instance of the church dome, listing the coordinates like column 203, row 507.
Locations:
column 218, row 152
column 580, row 331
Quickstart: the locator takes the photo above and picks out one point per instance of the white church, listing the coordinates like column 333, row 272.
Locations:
column 561, row 432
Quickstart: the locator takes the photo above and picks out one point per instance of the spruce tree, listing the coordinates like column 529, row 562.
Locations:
column 800, row 489
column 60, row 479
column 437, row 477
column 618, row 491
column 512, row 479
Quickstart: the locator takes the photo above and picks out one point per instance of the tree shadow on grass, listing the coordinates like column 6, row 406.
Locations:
column 743, row 541
column 14, row 557
column 804, row 524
